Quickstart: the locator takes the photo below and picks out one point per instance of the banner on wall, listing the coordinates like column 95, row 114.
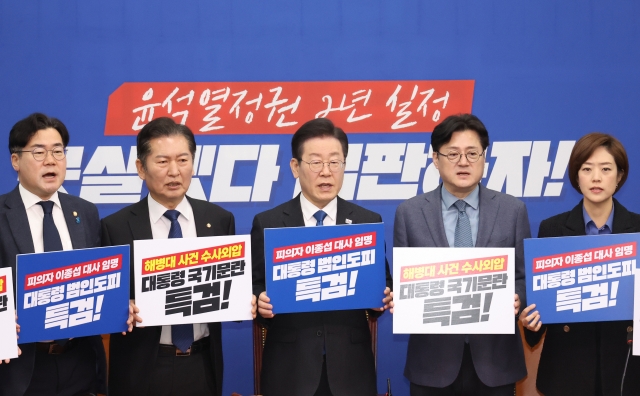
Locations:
column 581, row 278
column 8, row 336
column 72, row 293
column 453, row 290
column 193, row 280
column 309, row 269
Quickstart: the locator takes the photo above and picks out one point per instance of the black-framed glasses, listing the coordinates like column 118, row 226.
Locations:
column 39, row 154
column 317, row 166
column 454, row 156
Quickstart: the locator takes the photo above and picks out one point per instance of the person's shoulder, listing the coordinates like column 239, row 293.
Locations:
column 75, row 200
column 501, row 197
column 358, row 210
column 556, row 220
column 124, row 213
column 419, row 200
column 278, row 210
column 200, row 205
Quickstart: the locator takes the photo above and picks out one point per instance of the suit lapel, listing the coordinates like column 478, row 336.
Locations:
column 292, row 212
column 432, row 211
column 139, row 223
column 343, row 212
column 488, row 214
column 205, row 224
column 76, row 228
column 18, row 222
column 575, row 222
column 622, row 223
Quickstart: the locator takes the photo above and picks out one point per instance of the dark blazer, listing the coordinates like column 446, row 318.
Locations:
column 434, row 359
column 292, row 359
column 15, row 238
column 572, row 351
column 134, row 355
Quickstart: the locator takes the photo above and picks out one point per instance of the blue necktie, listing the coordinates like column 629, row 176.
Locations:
column 181, row 335
column 320, row 215
column 50, row 235
column 463, row 226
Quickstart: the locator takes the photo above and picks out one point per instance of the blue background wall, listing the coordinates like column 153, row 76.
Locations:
column 544, row 71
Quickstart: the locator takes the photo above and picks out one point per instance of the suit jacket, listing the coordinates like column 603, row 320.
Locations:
column 15, row 238
column 572, row 351
column 293, row 352
column 134, row 355
column 435, row 359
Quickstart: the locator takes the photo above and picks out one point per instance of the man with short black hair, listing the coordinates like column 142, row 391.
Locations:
column 166, row 360
column 315, row 353
column 463, row 213
column 36, row 218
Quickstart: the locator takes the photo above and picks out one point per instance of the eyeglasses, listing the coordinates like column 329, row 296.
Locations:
column 454, row 156
column 40, row 154
column 317, row 166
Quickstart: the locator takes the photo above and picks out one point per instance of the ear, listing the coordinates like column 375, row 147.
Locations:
column 141, row 172
column 295, row 167
column 620, row 174
column 14, row 162
column 436, row 159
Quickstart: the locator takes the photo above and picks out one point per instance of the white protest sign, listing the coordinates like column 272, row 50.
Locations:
column 453, row 290
column 8, row 340
column 193, row 280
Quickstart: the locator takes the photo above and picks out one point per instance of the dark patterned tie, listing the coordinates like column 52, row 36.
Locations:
column 463, row 226
column 320, row 215
column 182, row 334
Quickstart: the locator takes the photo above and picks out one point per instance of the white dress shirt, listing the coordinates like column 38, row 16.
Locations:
column 160, row 227
column 309, row 209
column 35, row 215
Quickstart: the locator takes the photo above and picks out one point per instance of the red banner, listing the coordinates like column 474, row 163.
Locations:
column 447, row 269
column 214, row 108
column 72, row 272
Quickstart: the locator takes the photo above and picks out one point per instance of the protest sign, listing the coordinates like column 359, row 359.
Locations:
column 72, row 293
column 325, row 268
column 8, row 340
column 581, row 278
column 189, row 280
column 453, row 290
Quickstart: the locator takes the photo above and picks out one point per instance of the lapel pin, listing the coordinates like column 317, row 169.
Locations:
column 208, row 225
column 78, row 220
column 348, row 221
column 75, row 214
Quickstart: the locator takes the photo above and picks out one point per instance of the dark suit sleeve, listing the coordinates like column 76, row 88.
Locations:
column 534, row 337
column 400, row 229
column 523, row 231
column 257, row 257
column 232, row 225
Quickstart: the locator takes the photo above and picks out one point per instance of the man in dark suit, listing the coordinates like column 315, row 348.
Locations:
column 166, row 360
column 315, row 353
column 463, row 213
column 35, row 218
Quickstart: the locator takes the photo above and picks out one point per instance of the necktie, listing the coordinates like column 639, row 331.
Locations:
column 320, row 215
column 181, row 335
column 50, row 236
column 463, row 226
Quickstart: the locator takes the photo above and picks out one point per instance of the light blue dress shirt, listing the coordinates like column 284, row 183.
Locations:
column 450, row 213
column 590, row 227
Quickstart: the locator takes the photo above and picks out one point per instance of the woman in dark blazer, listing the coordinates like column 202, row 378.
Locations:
column 588, row 358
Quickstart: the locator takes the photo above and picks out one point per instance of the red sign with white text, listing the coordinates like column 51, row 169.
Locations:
column 214, row 108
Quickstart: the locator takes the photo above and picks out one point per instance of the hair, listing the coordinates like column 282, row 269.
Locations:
column 584, row 148
column 442, row 133
column 319, row 127
column 162, row 127
column 25, row 129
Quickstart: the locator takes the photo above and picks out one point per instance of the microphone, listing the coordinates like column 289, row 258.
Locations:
column 389, row 387
column 626, row 363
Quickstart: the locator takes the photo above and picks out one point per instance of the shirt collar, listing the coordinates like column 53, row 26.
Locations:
column 156, row 210
column 472, row 199
column 29, row 199
column 587, row 220
column 309, row 209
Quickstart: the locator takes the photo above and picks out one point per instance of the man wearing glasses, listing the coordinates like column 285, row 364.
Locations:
column 463, row 213
column 315, row 353
column 36, row 218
